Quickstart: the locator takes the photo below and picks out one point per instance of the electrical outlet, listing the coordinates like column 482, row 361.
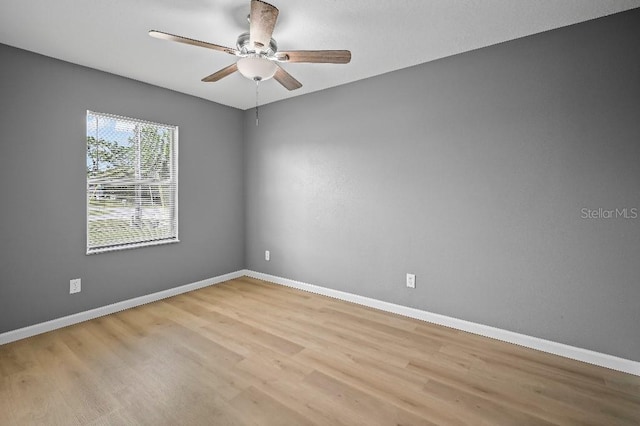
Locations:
column 75, row 286
column 411, row 280
column 267, row 255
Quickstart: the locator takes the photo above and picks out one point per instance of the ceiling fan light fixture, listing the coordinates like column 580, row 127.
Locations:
column 257, row 68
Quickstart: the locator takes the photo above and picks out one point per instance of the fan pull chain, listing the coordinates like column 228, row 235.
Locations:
column 257, row 116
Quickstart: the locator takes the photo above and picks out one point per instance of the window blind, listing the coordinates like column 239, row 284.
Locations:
column 132, row 183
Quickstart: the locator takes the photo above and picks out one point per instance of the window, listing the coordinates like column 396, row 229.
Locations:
column 132, row 183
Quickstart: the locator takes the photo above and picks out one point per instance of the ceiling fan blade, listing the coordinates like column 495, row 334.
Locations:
column 286, row 79
column 221, row 73
column 193, row 42
column 262, row 20
column 315, row 56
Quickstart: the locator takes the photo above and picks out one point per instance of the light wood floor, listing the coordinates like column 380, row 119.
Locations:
column 247, row 352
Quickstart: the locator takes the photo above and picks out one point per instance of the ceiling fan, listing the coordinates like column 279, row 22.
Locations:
column 258, row 52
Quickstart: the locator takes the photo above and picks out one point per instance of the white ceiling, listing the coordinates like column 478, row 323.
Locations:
column 111, row 35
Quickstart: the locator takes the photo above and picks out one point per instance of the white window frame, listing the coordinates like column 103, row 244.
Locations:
column 174, row 238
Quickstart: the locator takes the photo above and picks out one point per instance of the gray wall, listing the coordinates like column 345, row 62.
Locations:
column 43, row 103
column 472, row 172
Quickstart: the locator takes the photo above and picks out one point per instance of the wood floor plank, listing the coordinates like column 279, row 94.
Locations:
column 259, row 408
column 483, row 411
column 305, row 400
column 35, row 400
column 248, row 352
column 369, row 408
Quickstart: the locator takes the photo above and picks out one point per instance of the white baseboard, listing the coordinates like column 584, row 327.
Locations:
column 579, row 354
column 584, row 355
column 54, row 324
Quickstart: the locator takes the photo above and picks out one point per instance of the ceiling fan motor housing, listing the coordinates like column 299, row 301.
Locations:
column 244, row 46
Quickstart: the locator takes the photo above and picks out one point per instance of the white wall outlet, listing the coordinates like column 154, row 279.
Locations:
column 267, row 255
column 411, row 280
column 75, row 286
